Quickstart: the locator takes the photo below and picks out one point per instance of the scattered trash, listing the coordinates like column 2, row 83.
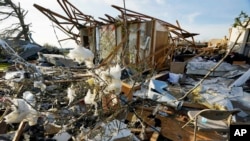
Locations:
column 112, row 89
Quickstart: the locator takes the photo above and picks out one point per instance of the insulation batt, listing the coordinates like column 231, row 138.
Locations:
column 112, row 72
column 82, row 55
column 90, row 99
column 115, row 86
column 29, row 97
column 16, row 76
column 112, row 77
column 116, row 83
column 115, row 71
column 21, row 111
column 103, row 74
column 71, row 94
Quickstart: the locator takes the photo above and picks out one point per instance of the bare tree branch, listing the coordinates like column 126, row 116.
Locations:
column 15, row 11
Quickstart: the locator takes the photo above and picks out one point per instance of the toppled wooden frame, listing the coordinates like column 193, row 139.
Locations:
column 147, row 39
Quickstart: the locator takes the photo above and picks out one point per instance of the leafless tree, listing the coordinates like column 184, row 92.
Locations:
column 18, row 29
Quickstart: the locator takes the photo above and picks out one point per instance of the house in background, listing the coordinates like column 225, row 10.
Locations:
column 132, row 38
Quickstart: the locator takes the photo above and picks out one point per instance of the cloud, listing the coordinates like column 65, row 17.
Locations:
column 208, row 31
column 160, row 1
column 114, row 2
column 191, row 17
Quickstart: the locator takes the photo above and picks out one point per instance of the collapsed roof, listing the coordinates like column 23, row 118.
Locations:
column 139, row 36
column 76, row 19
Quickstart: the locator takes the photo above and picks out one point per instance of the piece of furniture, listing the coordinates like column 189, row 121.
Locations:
column 211, row 120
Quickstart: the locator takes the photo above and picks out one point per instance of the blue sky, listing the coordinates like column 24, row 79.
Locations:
column 210, row 18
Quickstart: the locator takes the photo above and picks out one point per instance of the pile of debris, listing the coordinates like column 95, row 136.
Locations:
column 75, row 99
column 141, row 85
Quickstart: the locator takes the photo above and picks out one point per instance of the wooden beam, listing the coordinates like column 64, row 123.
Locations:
column 19, row 131
column 171, row 128
column 154, row 136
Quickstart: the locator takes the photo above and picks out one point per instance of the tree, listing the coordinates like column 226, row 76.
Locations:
column 9, row 10
column 241, row 20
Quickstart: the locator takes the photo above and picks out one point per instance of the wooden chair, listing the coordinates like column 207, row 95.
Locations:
column 211, row 120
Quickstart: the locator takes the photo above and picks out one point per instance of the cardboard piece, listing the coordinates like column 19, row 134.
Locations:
column 177, row 67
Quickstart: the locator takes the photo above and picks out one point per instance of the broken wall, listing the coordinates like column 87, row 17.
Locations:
column 107, row 39
column 241, row 46
column 139, row 44
column 161, row 44
column 147, row 42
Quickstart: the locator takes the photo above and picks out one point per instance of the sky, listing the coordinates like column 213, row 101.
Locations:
column 210, row 18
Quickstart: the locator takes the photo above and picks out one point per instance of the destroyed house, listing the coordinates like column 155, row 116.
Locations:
column 97, row 104
column 132, row 38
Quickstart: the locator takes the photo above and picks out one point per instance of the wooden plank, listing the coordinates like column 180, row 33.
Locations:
column 155, row 136
column 19, row 131
column 138, row 130
column 161, row 41
column 110, row 103
column 128, row 90
column 193, row 105
column 171, row 127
